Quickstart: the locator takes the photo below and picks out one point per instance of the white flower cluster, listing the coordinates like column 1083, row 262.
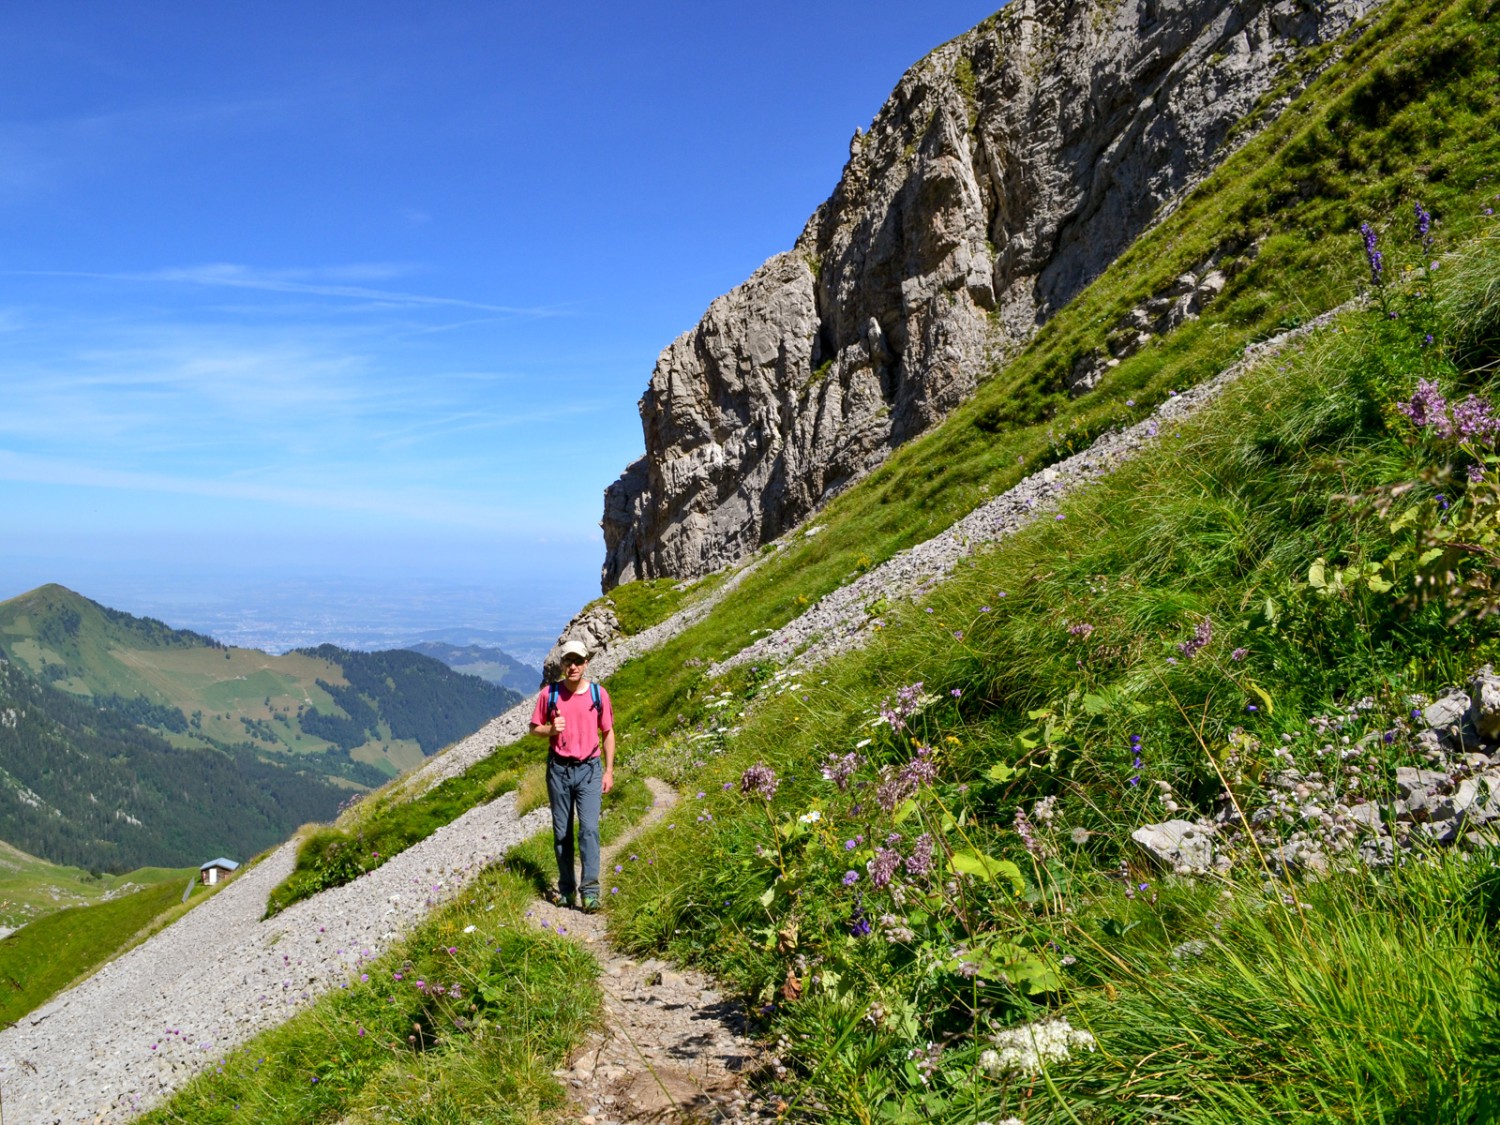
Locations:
column 1029, row 1048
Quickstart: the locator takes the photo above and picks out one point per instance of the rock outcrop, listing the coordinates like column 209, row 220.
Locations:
column 1007, row 170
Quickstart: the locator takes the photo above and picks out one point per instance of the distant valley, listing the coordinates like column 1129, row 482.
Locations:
column 125, row 742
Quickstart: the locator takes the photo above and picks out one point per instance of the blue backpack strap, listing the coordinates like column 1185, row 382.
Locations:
column 551, row 699
column 598, row 703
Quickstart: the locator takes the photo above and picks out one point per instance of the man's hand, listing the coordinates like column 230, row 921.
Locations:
column 608, row 782
column 558, row 724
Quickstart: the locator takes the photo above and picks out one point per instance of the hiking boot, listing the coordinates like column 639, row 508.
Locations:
column 590, row 905
column 557, row 898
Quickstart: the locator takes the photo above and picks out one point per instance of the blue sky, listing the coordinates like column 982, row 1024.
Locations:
column 371, row 290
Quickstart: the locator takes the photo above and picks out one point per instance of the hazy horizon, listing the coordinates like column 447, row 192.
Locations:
column 281, row 608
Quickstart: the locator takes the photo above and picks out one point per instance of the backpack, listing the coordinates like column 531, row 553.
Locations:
column 554, row 687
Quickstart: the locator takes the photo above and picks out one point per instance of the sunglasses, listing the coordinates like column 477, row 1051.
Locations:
column 575, row 660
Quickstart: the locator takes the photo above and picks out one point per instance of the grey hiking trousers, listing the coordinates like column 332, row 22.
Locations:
column 575, row 787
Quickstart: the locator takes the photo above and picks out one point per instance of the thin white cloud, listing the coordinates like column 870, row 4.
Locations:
column 226, row 275
column 420, row 506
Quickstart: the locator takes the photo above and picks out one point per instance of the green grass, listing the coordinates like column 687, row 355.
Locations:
column 42, row 958
column 640, row 605
column 392, row 822
column 384, row 1049
column 31, row 888
column 1374, row 1000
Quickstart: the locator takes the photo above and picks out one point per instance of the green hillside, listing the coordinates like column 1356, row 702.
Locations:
column 196, row 692
column 49, row 954
column 31, row 888
column 133, row 743
column 93, row 789
column 914, row 864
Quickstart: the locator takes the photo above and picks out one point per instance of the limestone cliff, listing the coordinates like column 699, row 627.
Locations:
column 1005, row 172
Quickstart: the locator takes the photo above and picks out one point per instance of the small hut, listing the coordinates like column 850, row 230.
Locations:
column 216, row 871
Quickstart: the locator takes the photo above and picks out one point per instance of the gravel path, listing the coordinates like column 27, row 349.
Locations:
column 671, row 1047
column 175, row 1005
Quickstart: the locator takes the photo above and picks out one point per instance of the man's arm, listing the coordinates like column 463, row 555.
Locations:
column 549, row 729
column 608, row 781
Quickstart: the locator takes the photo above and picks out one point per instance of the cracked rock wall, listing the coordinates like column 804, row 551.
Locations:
column 1005, row 172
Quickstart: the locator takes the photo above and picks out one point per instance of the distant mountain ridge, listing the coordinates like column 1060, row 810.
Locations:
column 126, row 742
column 492, row 664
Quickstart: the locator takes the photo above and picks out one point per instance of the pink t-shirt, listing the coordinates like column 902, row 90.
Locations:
column 580, row 737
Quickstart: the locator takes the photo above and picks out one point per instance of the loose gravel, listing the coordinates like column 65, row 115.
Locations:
column 179, row 1003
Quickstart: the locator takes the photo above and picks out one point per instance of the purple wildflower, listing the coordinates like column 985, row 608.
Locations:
column 1474, row 418
column 759, row 781
column 1028, row 836
column 883, row 866
column 1372, row 254
column 1476, row 474
column 920, row 770
column 908, row 700
column 893, row 790
column 859, row 921
column 840, row 768
column 1135, row 750
column 1428, row 409
column 1424, row 224
column 850, row 878
column 919, row 863
column 1201, row 638
column 1082, row 629
column 1239, row 654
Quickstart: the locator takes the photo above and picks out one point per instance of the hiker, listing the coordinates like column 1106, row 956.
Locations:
column 578, row 720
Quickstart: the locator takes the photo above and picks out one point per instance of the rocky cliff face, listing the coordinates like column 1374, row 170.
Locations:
column 1007, row 170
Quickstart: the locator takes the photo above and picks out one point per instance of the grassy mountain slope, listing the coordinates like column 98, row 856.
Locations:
column 91, row 788
column 1408, row 114
column 130, row 742
column 49, row 954
column 197, row 692
column 31, row 888
column 915, row 863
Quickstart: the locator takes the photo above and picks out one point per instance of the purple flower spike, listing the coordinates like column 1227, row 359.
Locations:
column 1372, row 255
column 1201, row 638
column 759, row 781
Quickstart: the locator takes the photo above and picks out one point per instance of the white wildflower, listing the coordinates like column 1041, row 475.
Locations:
column 1030, row 1048
column 811, row 816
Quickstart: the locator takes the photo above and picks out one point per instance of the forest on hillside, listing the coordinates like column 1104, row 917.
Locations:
column 418, row 697
column 90, row 788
